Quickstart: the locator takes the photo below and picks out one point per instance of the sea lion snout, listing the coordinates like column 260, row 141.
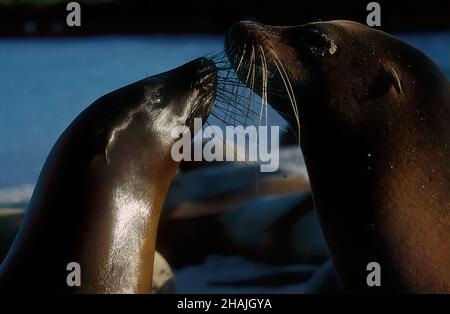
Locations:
column 189, row 91
column 206, row 75
column 315, row 39
column 205, row 66
column 199, row 74
column 205, row 83
column 245, row 33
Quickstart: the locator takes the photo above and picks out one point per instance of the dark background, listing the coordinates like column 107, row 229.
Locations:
column 47, row 17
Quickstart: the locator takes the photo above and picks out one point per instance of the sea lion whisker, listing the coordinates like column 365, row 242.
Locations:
column 234, row 99
column 288, row 86
column 220, row 100
column 200, row 103
column 233, row 96
column 264, row 84
column 252, row 85
column 262, row 94
column 227, row 84
column 235, row 88
column 230, row 84
column 241, row 114
column 241, row 59
column 224, row 110
column 249, row 67
column 228, row 75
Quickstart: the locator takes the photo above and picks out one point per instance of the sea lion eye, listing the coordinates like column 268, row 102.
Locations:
column 317, row 42
column 155, row 95
column 383, row 83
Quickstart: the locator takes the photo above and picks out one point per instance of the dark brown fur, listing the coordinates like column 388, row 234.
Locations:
column 375, row 133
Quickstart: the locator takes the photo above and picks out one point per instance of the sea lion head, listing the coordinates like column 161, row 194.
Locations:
column 131, row 128
column 340, row 70
column 152, row 107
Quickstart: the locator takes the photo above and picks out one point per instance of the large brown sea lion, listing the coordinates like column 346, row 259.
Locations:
column 374, row 121
column 98, row 198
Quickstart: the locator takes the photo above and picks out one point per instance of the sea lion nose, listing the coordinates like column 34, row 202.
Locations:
column 242, row 31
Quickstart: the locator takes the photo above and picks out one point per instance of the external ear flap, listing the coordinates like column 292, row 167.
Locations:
column 395, row 80
column 108, row 147
column 383, row 83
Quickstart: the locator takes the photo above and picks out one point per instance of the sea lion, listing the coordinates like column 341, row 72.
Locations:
column 98, row 198
column 374, row 121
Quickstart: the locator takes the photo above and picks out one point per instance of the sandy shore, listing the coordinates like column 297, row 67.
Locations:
column 10, row 211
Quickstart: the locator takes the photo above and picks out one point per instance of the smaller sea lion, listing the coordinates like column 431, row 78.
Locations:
column 98, row 198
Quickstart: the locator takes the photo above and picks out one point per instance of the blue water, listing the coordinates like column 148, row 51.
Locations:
column 46, row 83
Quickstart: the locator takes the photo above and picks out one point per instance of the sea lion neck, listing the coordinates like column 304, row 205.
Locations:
column 104, row 217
